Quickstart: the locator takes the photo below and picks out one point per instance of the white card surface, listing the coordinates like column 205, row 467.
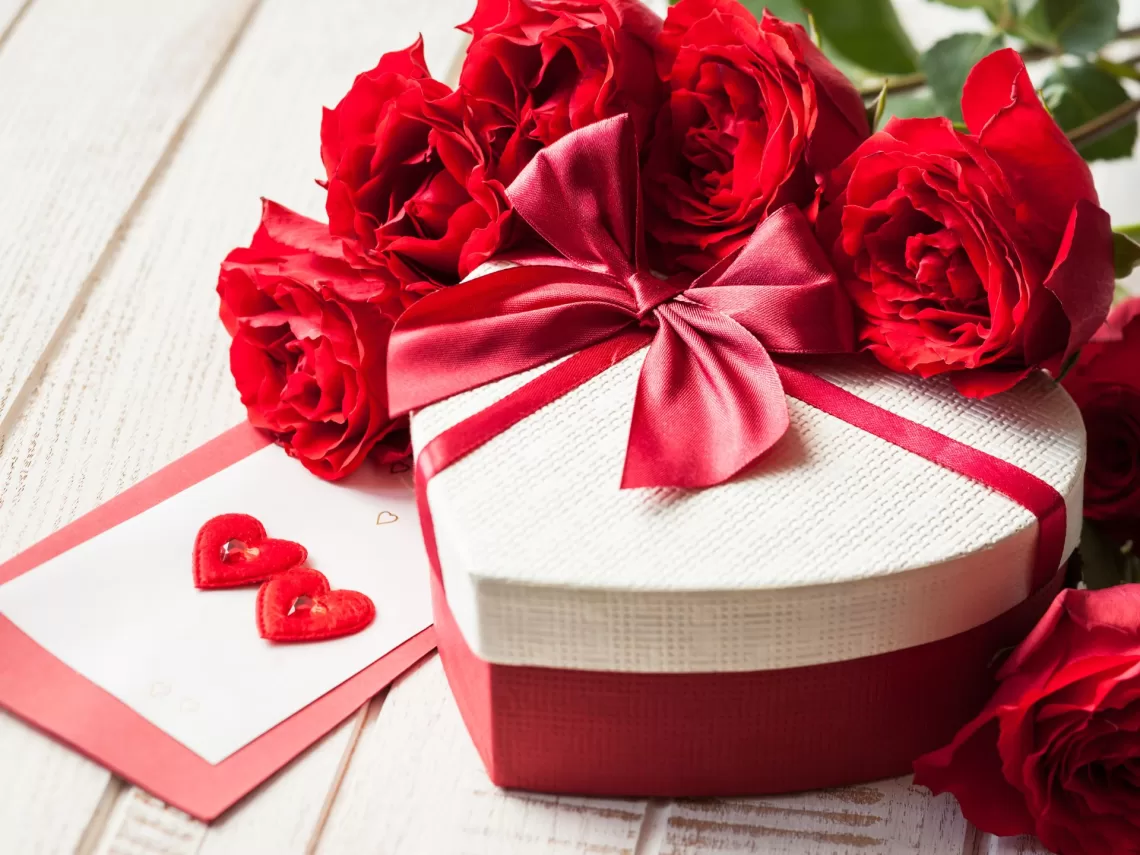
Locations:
column 122, row 609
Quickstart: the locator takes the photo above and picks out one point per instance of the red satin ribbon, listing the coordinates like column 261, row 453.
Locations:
column 709, row 399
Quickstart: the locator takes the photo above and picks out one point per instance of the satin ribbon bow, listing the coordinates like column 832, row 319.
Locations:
column 709, row 400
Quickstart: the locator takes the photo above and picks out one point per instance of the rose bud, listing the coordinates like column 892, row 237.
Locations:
column 981, row 255
column 408, row 183
column 538, row 69
column 1105, row 383
column 1056, row 751
column 755, row 115
column 310, row 340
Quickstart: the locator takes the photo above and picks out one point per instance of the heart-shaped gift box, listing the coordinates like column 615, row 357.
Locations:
column 824, row 618
column 725, row 562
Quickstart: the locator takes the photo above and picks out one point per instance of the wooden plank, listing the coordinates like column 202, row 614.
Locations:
column 11, row 12
column 91, row 94
column 47, row 793
column 141, row 374
column 889, row 817
column 990, row 845
column 283, row 816
column 140, row 824
column 415, row 784
column 278, row 818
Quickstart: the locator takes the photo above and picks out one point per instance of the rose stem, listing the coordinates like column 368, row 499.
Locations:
column 917, row 79
column 1105, row 123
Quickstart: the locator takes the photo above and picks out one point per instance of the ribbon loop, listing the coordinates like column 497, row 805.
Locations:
column 709, row 399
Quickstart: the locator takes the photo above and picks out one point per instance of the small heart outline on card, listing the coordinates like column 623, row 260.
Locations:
column 386, row 518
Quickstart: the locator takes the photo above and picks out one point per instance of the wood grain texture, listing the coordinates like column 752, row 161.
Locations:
column 890, row 817
column 91, row 94
column 47, row 793
column 415, row 785
column 282, row 816
column 141, row 825
column 140, row 375
column 11, row 12
column 987, row 844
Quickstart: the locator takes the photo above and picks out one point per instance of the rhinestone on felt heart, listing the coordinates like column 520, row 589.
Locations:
column 300, row 605
column 233, row 549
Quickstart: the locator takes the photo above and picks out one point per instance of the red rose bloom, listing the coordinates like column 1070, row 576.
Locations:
column 310, row 341
column 538, row 69
column 1056, row 752
column 409, row 187
column 981, row 254
column 755, row 115
column 1105, row 383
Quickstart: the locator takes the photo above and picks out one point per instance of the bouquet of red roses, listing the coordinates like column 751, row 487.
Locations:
column 973, row 249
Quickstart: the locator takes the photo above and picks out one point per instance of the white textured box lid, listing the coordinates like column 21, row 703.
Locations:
column 834, row 546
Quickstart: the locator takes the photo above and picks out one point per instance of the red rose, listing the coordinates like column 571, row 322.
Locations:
column 1056, row 752
column 755, row 115
column 538, row 69
column 1105, row 383
column 310, row 341
column 408, row 182
column 981, row 254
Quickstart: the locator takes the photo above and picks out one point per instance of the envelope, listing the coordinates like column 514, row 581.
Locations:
column 106, row 644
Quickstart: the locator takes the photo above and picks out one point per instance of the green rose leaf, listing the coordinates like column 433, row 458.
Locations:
column 1102, row 562
column 1125, row 254
column 1079, row 93
column 909, row 105
column 867, row 33
column 787, row 10
column 948, row 63
column 993, row 8
column 1075, row 26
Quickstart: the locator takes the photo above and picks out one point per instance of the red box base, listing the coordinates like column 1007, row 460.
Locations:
column 721, row 734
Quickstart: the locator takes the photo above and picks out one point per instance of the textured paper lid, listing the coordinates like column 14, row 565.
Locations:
column 836, row 545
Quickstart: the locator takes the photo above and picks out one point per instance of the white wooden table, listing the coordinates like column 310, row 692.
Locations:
column 135, row 139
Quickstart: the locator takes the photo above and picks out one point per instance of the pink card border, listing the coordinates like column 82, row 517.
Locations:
column 42, row 690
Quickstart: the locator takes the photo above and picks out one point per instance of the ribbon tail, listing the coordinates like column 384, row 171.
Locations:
column 709, row 402
column 498, row 325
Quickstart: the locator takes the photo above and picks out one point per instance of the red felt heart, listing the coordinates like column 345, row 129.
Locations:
column 256, row 559
column 300, row 606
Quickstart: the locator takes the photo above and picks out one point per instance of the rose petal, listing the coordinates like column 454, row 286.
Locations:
column 1002, row 109
column 970, row 768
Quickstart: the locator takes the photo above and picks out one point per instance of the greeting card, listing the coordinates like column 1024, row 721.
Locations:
column 104, row 630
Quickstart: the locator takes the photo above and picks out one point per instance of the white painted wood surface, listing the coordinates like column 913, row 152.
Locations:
column 135, row 138
column 93, row 94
